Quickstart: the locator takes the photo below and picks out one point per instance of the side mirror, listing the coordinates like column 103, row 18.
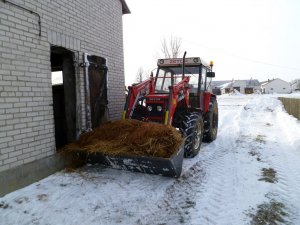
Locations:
column 210, row 74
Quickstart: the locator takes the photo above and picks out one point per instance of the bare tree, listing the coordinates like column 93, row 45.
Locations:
column 139, row 75
column 171, row 48
column 165, row 48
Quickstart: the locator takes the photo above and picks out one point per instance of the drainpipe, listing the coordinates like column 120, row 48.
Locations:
column 86, row 64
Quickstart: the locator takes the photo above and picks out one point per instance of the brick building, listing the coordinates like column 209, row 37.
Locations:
column 82, row 42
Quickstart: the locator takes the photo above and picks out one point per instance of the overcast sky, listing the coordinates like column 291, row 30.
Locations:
column 257, row 39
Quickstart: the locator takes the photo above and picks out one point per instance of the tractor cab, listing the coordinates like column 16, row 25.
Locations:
column 171, row 72
column 195, row 73
column 176, row 86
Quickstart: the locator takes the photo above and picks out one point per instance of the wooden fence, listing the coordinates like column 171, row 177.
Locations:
column 292, row 106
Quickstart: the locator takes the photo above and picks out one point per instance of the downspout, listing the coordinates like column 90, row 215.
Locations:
column 87, row 92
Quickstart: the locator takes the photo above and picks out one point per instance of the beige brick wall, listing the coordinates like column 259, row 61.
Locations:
column 26, row 114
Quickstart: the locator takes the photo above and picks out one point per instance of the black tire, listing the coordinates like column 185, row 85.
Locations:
column 192, row 130
column 211, row 122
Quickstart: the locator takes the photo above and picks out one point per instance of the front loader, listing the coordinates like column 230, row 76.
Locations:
column 178, row 95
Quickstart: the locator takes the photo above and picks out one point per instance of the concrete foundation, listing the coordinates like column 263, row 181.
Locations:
column 21, row 176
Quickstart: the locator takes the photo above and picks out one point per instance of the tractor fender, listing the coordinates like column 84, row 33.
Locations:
column 207, row 98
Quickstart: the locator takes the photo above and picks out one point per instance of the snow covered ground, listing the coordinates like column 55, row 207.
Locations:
column 254, row 165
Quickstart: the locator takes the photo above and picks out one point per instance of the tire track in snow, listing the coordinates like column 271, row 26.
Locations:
column 213, row 205
column 180, row 197
column 222, row 175
column 277, row 153
column 287, row 188
column 283, row 154
column 200, row 196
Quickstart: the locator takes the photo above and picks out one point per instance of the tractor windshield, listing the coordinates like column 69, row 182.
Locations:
column 167, row 76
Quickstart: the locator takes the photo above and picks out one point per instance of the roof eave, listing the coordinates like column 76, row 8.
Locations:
column 125, row 8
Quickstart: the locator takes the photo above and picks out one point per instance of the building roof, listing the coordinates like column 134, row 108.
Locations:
column 252, row 82
column 293, row 82
column 270, row 81
column 226, row 85
column 217, row 83
column 266, row 82
column 231, row 83
column 125, row 8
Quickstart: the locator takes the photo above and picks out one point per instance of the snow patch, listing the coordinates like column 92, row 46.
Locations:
column 219, row 186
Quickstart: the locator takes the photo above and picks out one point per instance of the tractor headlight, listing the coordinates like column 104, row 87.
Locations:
column 149, row 108
column 159, row 108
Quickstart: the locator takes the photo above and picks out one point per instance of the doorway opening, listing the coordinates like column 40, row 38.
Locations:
column 64, row 95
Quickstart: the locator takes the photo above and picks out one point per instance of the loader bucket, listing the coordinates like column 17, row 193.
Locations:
column 169, row 167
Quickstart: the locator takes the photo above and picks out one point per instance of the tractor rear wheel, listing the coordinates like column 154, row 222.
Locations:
column 211, row 122
column 192, row 130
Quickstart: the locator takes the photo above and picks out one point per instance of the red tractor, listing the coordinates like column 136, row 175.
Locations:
column 178, row 96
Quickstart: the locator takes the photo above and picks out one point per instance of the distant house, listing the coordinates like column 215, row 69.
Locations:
column 295, row 84
column 226, row 88
column 215, row 86
column 246, row 86
column 243, row 86
column 275, row 86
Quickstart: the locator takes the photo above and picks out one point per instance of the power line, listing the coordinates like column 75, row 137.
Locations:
column 243, row 58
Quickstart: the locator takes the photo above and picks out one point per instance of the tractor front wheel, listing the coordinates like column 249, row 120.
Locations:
column 192, row 129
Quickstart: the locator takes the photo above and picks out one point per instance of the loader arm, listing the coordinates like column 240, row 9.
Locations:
column 136, row 92
column 178, row 95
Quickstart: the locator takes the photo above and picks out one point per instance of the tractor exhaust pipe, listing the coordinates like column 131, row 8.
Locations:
column 183, row 64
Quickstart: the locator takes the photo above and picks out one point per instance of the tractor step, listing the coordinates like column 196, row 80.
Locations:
column 169, row 167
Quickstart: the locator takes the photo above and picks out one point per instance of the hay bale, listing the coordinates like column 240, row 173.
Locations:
column 130, row 138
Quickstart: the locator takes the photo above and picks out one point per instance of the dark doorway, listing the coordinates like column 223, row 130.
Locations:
column 64, row 95
column 249, row 90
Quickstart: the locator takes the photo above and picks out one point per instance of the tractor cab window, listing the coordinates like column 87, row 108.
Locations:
column 167, row 76
column 208, row 79
column 203, row 73
column 193, row 73
column 194, row 79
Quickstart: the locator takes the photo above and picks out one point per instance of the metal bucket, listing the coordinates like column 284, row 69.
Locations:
column 170, row 167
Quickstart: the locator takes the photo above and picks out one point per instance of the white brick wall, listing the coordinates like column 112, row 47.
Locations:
column 26, row 117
